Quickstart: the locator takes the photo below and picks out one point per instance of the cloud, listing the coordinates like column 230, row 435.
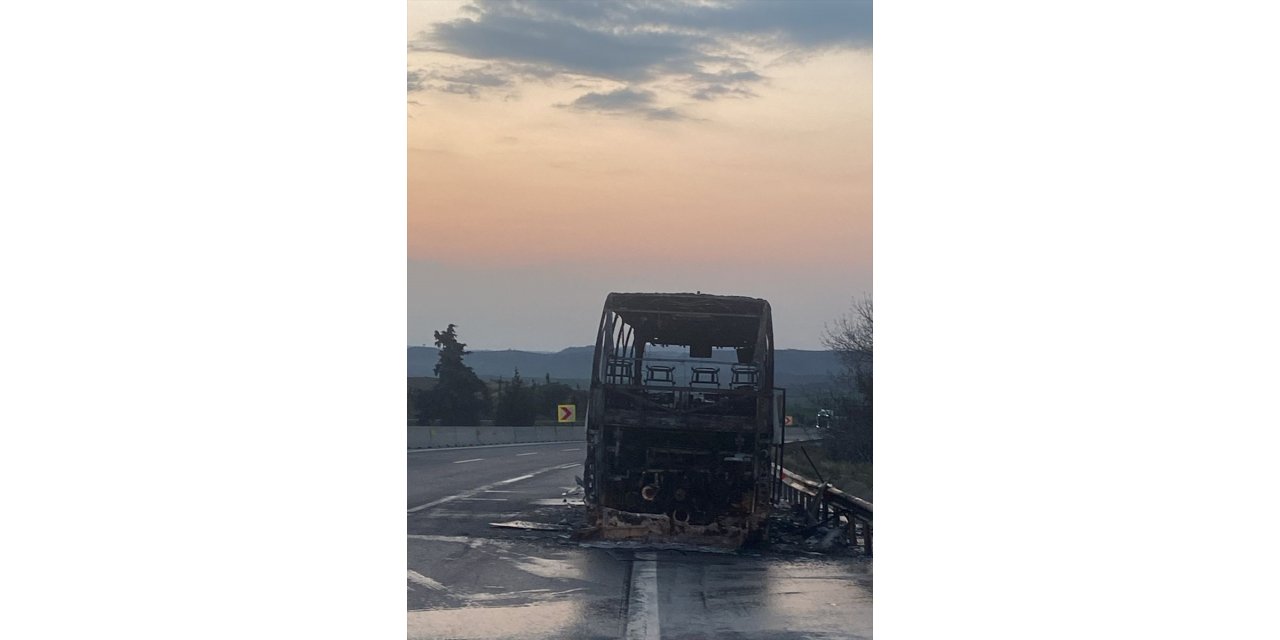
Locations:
column 621, row 99
column 566, row 47
column 472, row 81
column 625, row 101
column 478, row 77
column 698, row 48
column 776, row 25
column 726, row 83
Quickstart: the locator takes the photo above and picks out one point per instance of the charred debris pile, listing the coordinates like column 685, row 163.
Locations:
column 790, row 531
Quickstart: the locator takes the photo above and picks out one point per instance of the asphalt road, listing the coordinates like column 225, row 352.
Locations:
column 468, row 579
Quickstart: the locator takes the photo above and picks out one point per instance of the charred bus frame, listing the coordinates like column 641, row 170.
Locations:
column 678, row 448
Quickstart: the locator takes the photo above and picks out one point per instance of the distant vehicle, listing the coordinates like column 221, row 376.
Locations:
column 679, row 441
column 824, row 419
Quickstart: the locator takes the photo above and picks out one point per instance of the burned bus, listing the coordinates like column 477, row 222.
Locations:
column 681, row 419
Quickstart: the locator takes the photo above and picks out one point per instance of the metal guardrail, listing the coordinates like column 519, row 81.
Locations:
column 825, row 503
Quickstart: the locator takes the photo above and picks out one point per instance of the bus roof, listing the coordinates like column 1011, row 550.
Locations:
column 687, row 303
column 692, row 318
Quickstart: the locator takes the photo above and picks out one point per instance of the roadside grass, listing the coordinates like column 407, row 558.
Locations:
column 850, row 477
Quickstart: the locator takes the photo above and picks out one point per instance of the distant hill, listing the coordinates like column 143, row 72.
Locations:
column 792, row 367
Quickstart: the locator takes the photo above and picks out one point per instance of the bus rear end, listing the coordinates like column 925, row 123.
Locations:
column 680, row 422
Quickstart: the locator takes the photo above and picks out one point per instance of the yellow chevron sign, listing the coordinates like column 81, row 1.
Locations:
column 567, row 412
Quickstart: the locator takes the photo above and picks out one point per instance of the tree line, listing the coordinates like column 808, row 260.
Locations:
column 851, row 400
column 461, row 398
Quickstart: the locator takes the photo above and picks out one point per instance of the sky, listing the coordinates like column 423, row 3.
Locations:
column 558, row 151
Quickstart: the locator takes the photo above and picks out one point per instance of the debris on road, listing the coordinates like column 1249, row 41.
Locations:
column 532, row 526
column 792, row 532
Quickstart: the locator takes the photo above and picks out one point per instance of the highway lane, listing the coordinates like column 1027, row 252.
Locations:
column 438, row 473
column 468, row 579
column 463, row 462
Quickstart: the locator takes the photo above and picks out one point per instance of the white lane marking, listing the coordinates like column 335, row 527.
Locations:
column 491, row 446
column 642, row 610
column 474, row 543
column 500, row 491
column 571, row 449
column 419, row 579
column 471, row 460
column 482, row 489
column 485, row 499
column 531, row 453
column 430, row 538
